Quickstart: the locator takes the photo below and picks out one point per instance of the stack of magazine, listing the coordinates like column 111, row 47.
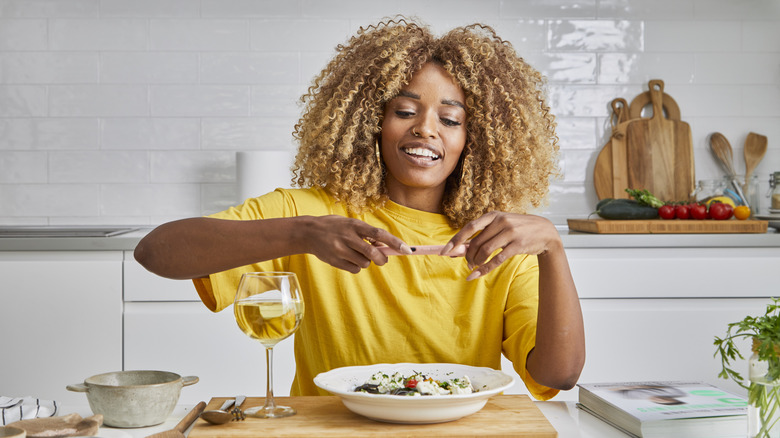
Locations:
column 667, row 409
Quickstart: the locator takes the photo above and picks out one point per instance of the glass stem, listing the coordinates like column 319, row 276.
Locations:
column 269, row 376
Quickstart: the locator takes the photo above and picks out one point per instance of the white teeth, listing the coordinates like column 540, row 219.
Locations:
column 422, row 152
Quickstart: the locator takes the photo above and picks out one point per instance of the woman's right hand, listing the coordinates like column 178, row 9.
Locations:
column 348, row 244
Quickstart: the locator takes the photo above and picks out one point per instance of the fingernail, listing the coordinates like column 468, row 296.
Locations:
column 447, row 248
column 473, row 275
column 405, row 249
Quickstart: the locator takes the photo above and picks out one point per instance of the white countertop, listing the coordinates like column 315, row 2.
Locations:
column 571, row 239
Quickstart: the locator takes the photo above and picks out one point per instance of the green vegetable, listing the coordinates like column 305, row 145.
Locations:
column 644, row 197
column 625, row 209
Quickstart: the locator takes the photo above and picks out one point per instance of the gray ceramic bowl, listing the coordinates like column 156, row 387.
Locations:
column 133, row 398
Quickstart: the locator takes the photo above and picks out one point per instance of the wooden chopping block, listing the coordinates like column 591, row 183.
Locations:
column 621, row 112
column 602, row 171
column 659, row 153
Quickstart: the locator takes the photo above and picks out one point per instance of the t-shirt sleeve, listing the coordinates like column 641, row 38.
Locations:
column 520, row 315
column 218, row 290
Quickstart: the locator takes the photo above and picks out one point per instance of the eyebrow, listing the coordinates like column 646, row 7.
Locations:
column 444, row 101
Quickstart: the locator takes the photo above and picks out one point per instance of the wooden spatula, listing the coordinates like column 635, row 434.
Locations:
column 186, row 422
column 755, row 148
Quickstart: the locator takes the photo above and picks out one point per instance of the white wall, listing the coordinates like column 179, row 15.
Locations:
column 130, row 111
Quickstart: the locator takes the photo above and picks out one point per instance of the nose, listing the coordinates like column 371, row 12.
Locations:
column 425, row 127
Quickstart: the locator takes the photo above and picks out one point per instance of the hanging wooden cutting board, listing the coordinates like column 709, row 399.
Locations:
column 606, row 184
column 602, row 172
column 659, row 153
column 670, row 107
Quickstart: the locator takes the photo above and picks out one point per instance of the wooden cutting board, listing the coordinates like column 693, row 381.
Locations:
column 602, row 171
column 612, row 172
column 659, row 153
column 661, row 226
column 326, row 416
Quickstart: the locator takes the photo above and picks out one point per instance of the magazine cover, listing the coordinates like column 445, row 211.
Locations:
column 653, row 401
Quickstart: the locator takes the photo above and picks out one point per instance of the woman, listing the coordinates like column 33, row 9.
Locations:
column 407, row 140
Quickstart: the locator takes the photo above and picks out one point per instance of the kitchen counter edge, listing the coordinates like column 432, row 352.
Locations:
column 571, row 239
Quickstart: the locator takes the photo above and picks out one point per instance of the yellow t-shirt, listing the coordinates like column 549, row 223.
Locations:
column 415, row 309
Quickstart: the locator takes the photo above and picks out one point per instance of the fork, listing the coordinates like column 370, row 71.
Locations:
column 238, row 414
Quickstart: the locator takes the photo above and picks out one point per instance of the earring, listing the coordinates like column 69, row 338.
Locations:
column 462, row 169
column 376, row 150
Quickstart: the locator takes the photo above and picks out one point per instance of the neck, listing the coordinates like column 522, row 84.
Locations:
column 424, row 199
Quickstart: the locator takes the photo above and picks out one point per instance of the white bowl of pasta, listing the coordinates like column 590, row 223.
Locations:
column 438, row 407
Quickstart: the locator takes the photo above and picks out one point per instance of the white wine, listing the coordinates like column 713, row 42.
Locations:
column 268, row 321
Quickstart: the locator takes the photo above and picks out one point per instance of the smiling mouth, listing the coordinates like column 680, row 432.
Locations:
column 419, row 152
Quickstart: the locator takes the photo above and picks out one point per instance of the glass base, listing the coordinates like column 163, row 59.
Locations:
column 270, row 412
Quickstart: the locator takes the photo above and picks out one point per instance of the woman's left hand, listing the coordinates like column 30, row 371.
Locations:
column 511, row 233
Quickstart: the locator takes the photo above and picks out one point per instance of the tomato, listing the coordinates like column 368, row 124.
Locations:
column 699, row 211
column 682, row 211
column 742, row 212
column 666, row 211
column 411, row 383
column 721, row 211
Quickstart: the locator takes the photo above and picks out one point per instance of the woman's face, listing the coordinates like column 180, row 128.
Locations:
column 423, row 135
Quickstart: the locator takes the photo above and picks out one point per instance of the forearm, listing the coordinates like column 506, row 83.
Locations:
column 559, row 355
column 197, row 247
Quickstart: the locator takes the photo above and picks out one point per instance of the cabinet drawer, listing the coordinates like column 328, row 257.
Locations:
column 674, row 272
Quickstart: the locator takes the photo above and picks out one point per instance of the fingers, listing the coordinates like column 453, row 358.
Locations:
column 354, row 245
column 503, row 235
column 466, row 234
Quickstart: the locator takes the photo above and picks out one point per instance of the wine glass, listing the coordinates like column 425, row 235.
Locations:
column 269, row 308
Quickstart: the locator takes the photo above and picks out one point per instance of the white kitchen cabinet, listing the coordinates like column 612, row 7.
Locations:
column 60, row 320
column 660, row 339
column 168, row 328
column 668, row 272
column 186, row 338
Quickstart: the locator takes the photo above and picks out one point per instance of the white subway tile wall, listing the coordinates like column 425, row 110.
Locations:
column 130, row 112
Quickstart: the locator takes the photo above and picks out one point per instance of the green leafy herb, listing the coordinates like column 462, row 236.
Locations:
column 644, row 197
column 765, row 330
column 763, row 393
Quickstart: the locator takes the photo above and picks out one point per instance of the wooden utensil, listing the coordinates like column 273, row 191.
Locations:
column 660, row 152
column 602, row 171
column 755, row 148
column 184, row 424
column 721, row 148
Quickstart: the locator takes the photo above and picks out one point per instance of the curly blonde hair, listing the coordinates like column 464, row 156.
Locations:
column 511, row 147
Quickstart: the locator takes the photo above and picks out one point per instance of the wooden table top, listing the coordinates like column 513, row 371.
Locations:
column 326, row 416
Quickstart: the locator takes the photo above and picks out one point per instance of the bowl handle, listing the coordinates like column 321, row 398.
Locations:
column 78, row 387
column 189, row 380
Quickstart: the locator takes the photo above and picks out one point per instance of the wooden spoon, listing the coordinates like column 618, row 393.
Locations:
column 755, row 148
column 722, row 149
column 184, row 424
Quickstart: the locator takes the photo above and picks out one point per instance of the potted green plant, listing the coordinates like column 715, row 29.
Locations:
column 763, row 383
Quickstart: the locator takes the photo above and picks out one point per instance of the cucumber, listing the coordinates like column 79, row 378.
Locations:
column 625, row 209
